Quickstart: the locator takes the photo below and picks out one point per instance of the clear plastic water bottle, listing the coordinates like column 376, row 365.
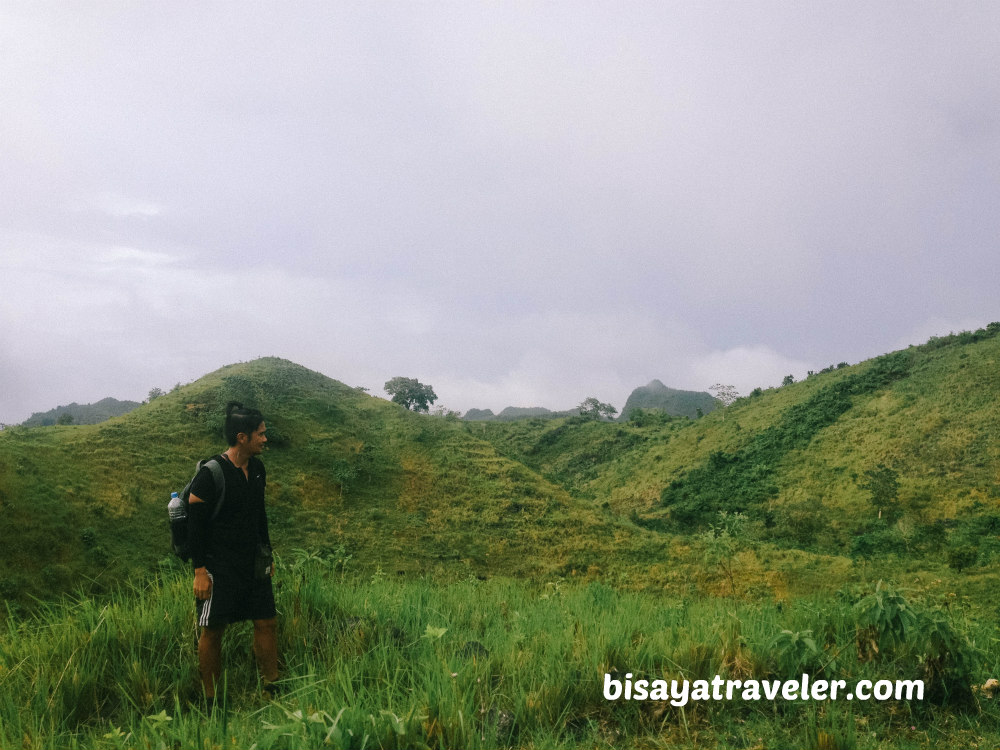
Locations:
column 175, row 508
column 178, row 524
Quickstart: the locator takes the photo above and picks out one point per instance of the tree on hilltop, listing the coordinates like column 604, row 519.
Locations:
column 725, row 395
column 595, row 409
column 410, row 393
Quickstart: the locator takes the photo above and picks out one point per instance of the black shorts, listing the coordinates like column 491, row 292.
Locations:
column 235, row 597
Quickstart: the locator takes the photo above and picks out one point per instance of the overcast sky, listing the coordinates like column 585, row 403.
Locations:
column 518, row 203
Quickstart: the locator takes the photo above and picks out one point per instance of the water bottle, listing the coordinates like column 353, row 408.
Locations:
column 175, row 508
column 178, row 524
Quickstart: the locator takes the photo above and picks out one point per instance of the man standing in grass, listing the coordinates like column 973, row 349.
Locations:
column 231, row 551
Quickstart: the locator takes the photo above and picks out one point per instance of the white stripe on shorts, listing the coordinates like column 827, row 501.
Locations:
column 206, row 608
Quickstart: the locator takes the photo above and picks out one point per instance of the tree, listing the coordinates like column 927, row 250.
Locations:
column 65, row 418
column 788, row 380
column 155, row 393
column 410, row 393
column 883, row 484
column 445, row 413
column 723, row 542
column 725, row 395
column 595, row 409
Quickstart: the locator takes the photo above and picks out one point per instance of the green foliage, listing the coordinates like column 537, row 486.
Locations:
column 410, row 393
column 963, row 557
column 876, row 538
column 649, row 417
column 722, row 543
column 743, row 480
column 974, row 540
column 594, row 409
column 798, row 524
column 890, row 628
column 795, row 653
column 571, row 452
column 885, row 617
column 882, row 483
column 497, row 664
column 962, row 338
column 836, row 730
column 946, row 658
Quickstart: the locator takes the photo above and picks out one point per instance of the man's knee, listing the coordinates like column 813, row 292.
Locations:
column 265, row 627
column 212, row 636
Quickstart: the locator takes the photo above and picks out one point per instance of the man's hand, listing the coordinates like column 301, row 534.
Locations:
column 202, row 584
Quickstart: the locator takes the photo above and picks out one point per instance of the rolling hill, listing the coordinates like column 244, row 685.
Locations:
column 350, row 474
column 800, row 464
column 930, row 413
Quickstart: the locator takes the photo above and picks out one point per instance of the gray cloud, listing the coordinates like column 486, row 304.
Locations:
column 519, row 204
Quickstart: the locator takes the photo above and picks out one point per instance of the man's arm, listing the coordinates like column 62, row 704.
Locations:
column 198, row 518
column 262, row 528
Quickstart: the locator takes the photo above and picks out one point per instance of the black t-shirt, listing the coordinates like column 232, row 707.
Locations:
column 242, row 521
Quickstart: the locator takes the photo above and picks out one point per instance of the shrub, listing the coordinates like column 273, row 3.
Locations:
column 884, row 618
column 963, row 557
column 876, row 539
column 945, row 659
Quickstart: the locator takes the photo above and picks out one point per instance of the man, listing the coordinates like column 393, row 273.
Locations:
column 231, row 553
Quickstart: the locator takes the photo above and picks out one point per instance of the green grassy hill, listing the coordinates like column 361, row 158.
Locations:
column 349, row 474
column 799, row 463
column 930, row 413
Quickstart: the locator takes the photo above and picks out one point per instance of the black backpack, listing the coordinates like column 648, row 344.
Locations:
column 178, row 512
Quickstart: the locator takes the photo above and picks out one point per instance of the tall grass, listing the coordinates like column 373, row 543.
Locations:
column 377, row 662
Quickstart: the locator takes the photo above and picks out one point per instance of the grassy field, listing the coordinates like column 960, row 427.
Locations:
column 379, row 662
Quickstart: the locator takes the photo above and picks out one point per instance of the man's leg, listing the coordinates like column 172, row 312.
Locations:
column 210, row 658
column 265, row 647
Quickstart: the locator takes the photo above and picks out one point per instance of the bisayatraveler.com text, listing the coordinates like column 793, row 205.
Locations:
column 681, row 692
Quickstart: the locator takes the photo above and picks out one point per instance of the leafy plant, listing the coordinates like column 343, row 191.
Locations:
column 723, row 542
column 945, row 658
column 884, row 618
column 795, row 652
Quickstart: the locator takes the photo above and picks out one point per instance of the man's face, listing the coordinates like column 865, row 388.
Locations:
column 256, row 439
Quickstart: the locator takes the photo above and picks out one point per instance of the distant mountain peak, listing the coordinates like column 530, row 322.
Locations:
column 676, row 403
column 94, row 413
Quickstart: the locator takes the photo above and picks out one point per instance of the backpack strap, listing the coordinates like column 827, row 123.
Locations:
column 215, row 467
